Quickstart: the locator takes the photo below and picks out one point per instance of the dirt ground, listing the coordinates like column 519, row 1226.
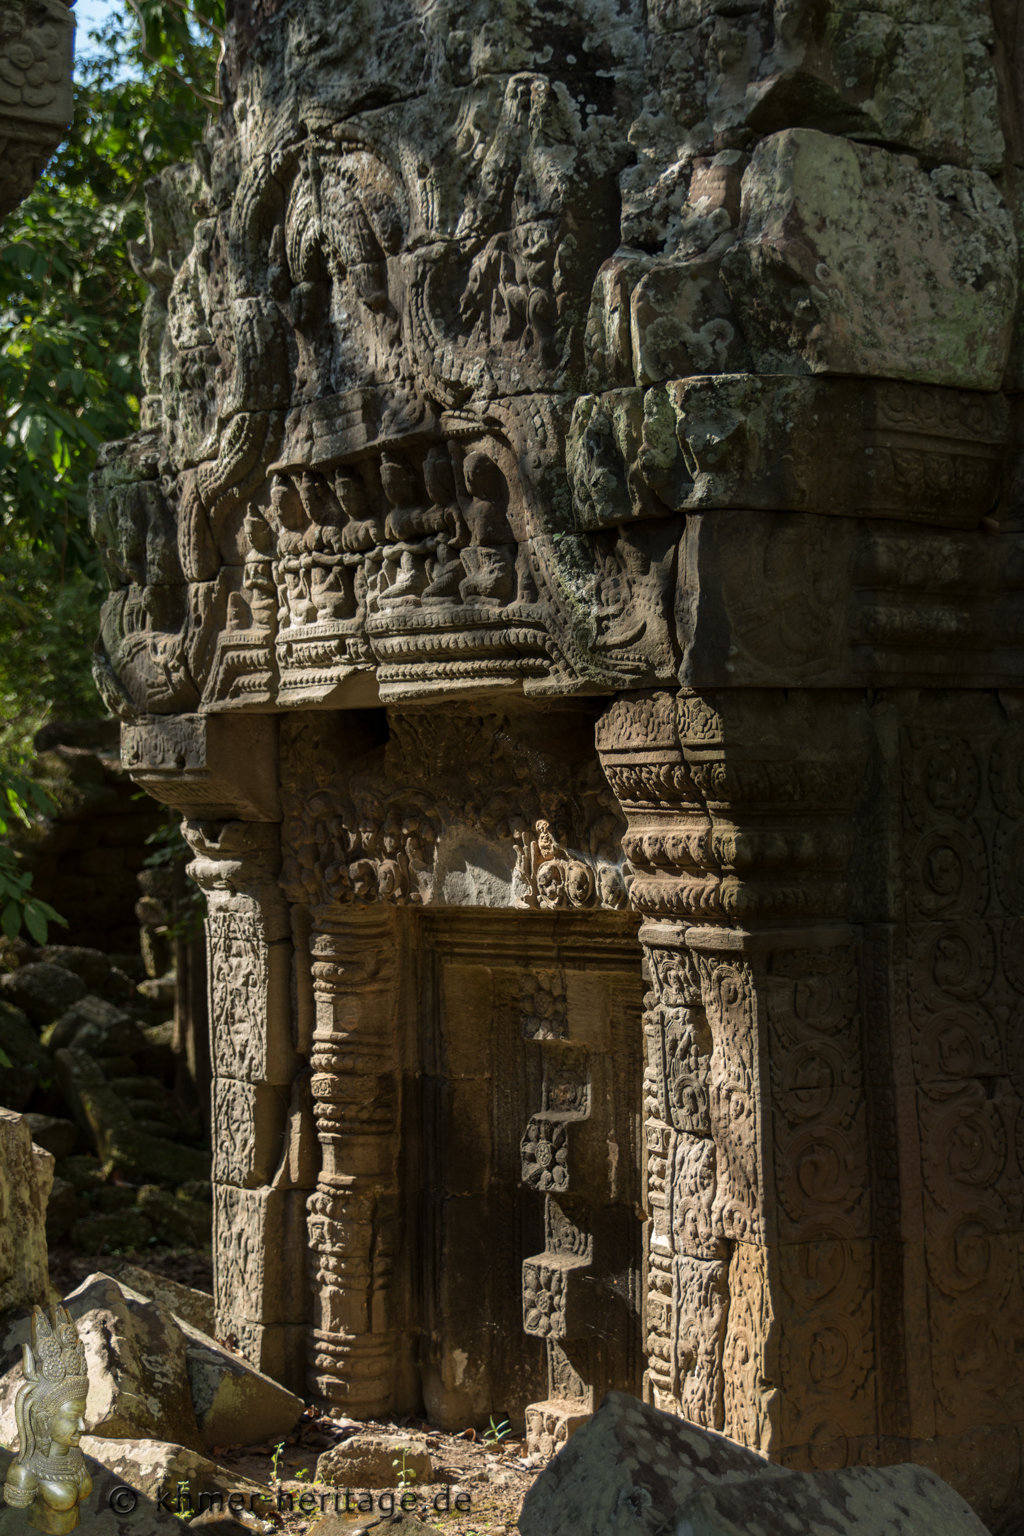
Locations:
column 479, row 1486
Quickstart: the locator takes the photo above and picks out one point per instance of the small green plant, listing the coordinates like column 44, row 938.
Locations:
column 183, row 1503
column 302, row 1474
column 404, row 1474
column 275, row 1460
column 497, row 1432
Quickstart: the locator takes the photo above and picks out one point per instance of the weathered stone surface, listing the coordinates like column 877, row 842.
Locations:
column 26, row 1175
column 862, row 1500
column 119, row 1142
column 35, row 91
column 531, row 397
column 136, row 1365
column 42, row 991
column 830, row 226
column 633, row 1469
column 159, row 1469
column 234, row 1404
column 98, row 1027
column 366, row 1461
column 188, row 1305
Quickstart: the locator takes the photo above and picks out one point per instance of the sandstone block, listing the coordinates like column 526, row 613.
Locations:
column 94, row 1025
column 42, row 991
column 235, row 1404
column 26, row 1175
column 158, row 1467
column 634, row 1469
column 855, row 260
column 188, row 1305
column 136, row 1364
column 119, row 1143
column 375, row 1462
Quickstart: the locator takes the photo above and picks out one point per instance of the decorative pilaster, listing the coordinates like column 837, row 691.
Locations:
column 759, row 1276
column 362, row 1363
column 262, row 1133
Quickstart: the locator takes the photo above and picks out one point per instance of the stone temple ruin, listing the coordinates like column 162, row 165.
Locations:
column 570, row 580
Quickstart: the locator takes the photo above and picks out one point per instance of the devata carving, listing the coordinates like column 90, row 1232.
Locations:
column 579, row 493
column 48, row 1478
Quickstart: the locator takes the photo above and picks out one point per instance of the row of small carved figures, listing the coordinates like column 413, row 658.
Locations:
column 321, row 552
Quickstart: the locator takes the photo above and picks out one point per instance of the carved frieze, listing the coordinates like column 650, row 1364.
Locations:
column 431, row 818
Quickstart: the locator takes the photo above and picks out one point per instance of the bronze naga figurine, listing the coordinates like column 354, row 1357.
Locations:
column 49, row 1478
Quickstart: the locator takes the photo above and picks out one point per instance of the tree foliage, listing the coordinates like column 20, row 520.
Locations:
column 70, row 308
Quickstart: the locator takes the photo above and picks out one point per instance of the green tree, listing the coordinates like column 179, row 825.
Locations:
column 70, row 308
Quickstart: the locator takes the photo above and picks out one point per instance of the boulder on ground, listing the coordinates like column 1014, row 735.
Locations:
column 101, row 1028
column 92, row 965
column 42, row 991
column 857, row 1501
column 634, row 1471
column 375, row 1461
column 188, row 1305
column 26, row 1176
column 118, row 1141
column 159, row 1469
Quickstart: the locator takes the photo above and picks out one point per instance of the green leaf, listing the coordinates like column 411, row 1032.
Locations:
column 10, row 922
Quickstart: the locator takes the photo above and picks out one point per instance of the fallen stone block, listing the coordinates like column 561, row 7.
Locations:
column 136, row 1362
column 118, row 1141
column 188, row 1305
column 235, row 1404
column 42, row 991
column 176, row 1473
column 375, row 1461
column 96, row 1026
column 635, row 1471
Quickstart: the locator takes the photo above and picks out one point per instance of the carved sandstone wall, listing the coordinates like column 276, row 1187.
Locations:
column 577, row 525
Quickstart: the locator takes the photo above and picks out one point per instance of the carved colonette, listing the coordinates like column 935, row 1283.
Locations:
column 534, row 392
